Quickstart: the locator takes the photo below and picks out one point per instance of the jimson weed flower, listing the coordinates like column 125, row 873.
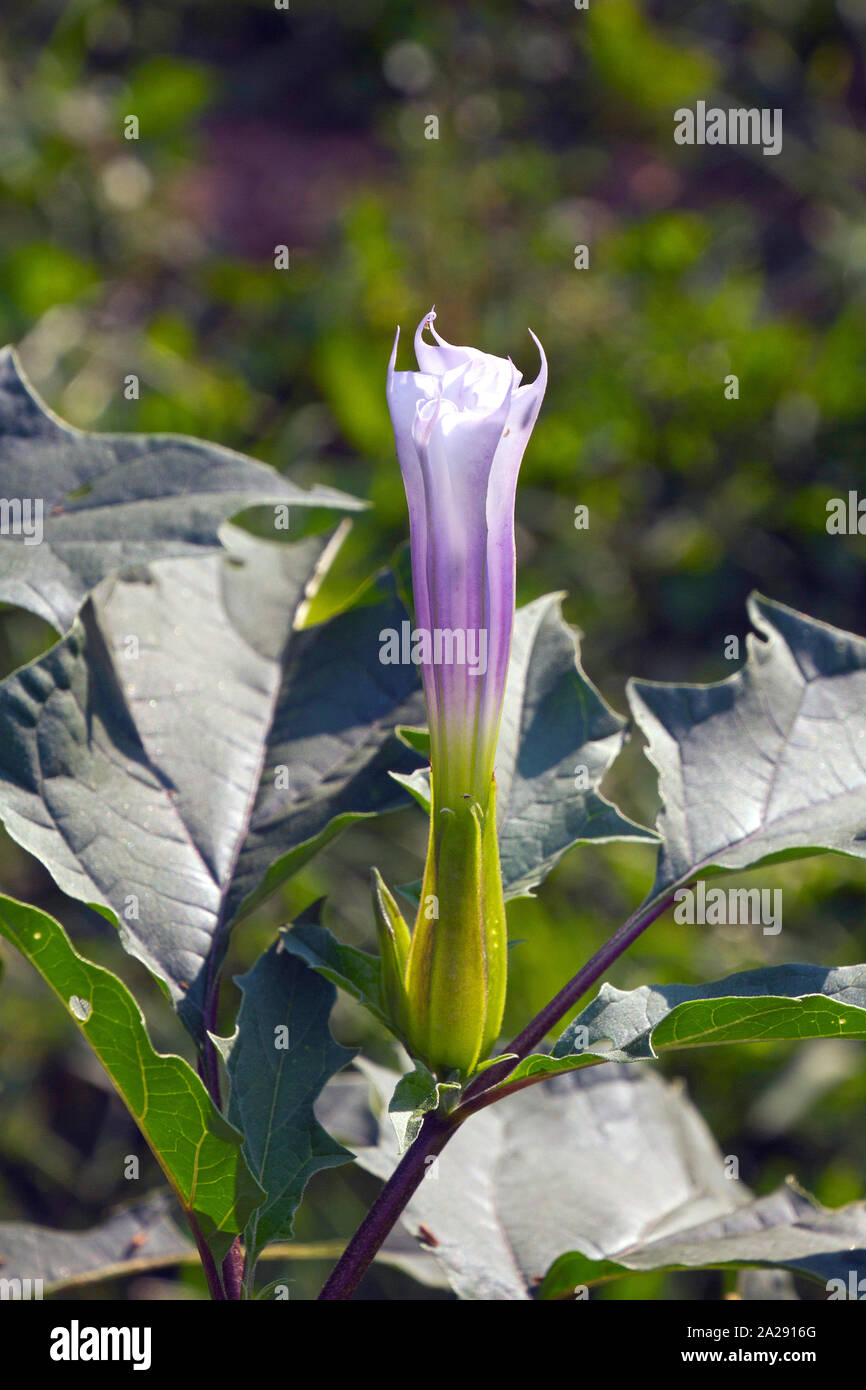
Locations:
column 461, row 424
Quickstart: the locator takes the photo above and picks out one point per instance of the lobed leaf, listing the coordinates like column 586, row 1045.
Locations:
column 617, row 1165
column 557, row 740
column 132, row 1239
column 779, row 1003
column 186, row 747
column 769, row 764
column 786, row 1229
column 113, row 500
column 278, row 1061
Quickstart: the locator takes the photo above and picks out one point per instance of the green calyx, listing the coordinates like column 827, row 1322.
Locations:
column 445, row 988
column 394, row 943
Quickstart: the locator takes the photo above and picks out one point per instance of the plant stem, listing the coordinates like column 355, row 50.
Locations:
column 232, row 1284
column 436, row 1129
column 538, row 1028
column 356, row 1259
column 211, row 1272
column 209, row 1064
column 233, row 1272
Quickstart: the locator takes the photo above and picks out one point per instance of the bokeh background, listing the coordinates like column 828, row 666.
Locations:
column 155, row 256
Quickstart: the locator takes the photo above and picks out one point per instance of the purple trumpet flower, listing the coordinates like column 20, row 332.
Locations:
column 462, row 423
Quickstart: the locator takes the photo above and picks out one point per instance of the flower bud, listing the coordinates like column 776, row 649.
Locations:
column 455, row 976
column 461, row 425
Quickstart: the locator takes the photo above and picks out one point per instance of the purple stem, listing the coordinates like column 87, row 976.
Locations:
column 232, row 1283
column 211, row 1273
column 358, row 1255
column 437, row 1129
column 233, row 1272
column 536, row 1030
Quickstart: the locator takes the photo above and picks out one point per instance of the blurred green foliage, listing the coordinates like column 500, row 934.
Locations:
column 155, row 256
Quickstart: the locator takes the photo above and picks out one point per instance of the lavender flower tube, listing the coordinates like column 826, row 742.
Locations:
column 461, row 423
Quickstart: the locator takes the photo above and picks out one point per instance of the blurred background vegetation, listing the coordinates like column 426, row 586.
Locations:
column 155, row 256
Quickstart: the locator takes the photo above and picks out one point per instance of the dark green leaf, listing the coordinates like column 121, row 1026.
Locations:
column 278, row 1061
column 357, row 972
column 419, row 739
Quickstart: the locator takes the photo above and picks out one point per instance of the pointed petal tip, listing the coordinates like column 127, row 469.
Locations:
column 392, row 361
column 541, row 379
column 426, row 322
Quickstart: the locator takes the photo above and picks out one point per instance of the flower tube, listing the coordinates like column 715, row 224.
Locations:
column 461, row 424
